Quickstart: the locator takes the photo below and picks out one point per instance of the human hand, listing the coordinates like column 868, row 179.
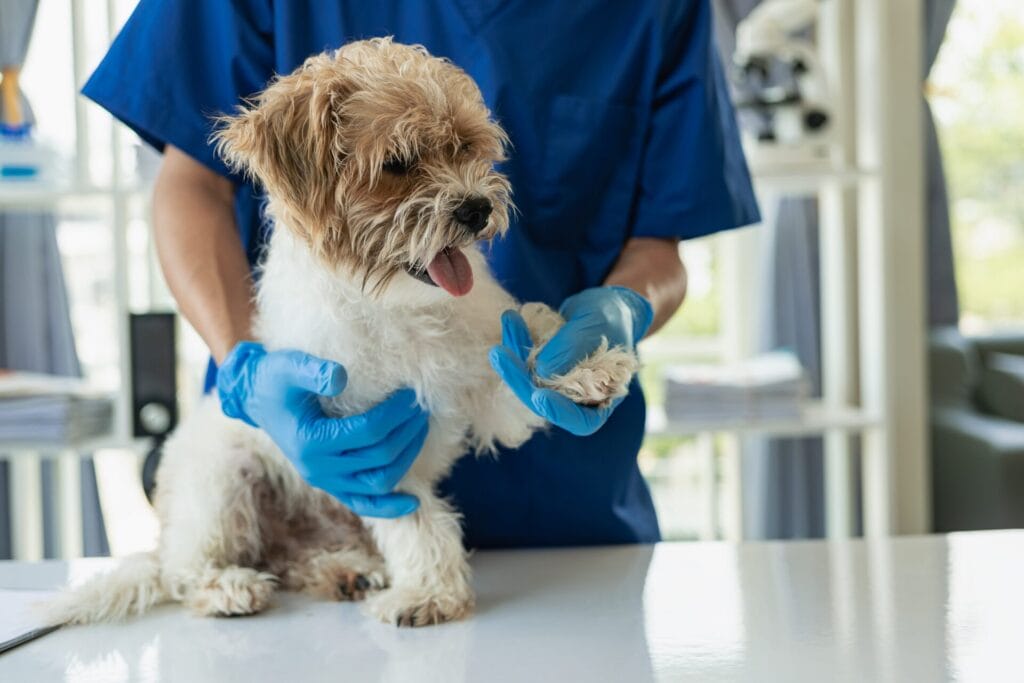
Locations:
column 615, row 315
column 358, row 459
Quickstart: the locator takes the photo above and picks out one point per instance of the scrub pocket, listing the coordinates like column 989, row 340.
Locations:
column 583, row 195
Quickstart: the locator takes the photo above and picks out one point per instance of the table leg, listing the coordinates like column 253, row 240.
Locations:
column 68, row 504
column 839, row 511
column 26, row 496
column 706, row 448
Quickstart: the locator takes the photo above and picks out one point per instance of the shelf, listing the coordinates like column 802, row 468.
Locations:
column 672, row 349
column 816, row 419
column 9, row 449
column 806, row 177
column 37, row 194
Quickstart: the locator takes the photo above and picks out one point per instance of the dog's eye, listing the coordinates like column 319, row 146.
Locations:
column 398, row 165
column 465, row 148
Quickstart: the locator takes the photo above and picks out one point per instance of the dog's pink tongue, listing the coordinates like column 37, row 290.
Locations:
column 450, row 270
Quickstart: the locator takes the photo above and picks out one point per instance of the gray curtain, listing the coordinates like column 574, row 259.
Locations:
column 783, row 479
column 16, row 20
column 36, row 336
column 35, row 326
column 789, row 472
column 943, row 302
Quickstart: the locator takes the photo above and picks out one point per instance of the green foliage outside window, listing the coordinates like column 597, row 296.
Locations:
column 977, row 93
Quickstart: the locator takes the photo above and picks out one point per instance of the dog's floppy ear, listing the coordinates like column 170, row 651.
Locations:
column 286, row 138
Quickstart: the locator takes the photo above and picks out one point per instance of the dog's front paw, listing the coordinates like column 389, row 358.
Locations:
column 542, row 321
column 598, row 379
column 415, row 607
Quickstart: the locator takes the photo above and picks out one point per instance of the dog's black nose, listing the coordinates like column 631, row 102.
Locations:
column 473, row 213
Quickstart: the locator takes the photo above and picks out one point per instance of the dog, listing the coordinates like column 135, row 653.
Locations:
column 379, row 164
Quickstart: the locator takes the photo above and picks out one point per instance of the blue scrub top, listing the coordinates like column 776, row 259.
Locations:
column 621, row 127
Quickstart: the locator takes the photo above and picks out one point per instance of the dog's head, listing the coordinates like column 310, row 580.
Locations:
column 381, row 157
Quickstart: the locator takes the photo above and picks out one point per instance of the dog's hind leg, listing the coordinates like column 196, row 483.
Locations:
column 335, row 574
column 230, row 591
column 219, row 572
column 215, row 488
column 319, row 547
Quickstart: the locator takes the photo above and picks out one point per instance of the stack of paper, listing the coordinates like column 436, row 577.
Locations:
column 19, row 617
column 769, row 386
column 45, row 408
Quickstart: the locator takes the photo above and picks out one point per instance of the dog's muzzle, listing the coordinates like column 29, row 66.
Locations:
column 473, row 213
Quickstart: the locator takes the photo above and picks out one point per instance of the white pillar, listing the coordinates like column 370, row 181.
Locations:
column 892, row 256
column 25, row 488
column 739, row 279
column 709, row 519
column 79, row 52
column 837, row 211
column 67, row 469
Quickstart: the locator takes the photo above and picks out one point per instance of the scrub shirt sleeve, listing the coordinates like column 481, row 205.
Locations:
column 177, row 63
column 694, row 180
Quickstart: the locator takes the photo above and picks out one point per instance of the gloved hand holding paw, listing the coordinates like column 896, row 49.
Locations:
column 358, row 459
column 591, row 357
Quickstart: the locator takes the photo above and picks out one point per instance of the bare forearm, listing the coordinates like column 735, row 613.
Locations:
column 200, row 251
column 652, row 267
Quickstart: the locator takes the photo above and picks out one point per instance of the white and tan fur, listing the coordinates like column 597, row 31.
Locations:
column 237, row 520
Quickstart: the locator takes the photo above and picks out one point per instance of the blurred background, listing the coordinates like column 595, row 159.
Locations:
column 779, row 396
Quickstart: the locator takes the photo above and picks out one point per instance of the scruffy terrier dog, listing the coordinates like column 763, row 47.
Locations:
column 378, row 161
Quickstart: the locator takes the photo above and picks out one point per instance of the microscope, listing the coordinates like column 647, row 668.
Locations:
column 781, row 90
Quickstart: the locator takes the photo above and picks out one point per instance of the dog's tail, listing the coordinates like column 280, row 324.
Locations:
column 129, row 590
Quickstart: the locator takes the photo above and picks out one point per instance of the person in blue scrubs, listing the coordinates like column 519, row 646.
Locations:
column 623, row 143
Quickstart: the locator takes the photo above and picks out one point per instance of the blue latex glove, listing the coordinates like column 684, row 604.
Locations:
column 617, row 314
column 357, row 459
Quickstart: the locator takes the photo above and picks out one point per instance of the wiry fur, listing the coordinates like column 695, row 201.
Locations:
column 318, row 139
column 237, row 521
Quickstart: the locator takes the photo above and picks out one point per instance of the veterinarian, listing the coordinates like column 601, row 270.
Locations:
column 623, row 143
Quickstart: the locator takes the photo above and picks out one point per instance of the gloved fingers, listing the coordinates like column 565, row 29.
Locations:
column 572, row 417
column 573, row 342
column 388, row 506
column 515, row 335
column 549, row 404
column 235, row 377
column 382, row 480
column 299, row 370
column 335, row 434
column 380, row 455
column 514, row 373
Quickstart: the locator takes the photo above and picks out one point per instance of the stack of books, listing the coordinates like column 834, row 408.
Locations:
column 49, row 409
column 766, row 387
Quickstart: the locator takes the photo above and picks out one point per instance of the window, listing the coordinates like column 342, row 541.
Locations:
column 977, row 93
column 683, row 472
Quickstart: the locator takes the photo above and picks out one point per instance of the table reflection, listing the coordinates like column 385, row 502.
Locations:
column 908, row 609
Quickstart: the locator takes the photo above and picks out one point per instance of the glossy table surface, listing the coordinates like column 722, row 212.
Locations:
column 910, row 609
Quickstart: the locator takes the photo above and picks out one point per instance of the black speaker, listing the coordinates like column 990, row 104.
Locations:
column 154, row 373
